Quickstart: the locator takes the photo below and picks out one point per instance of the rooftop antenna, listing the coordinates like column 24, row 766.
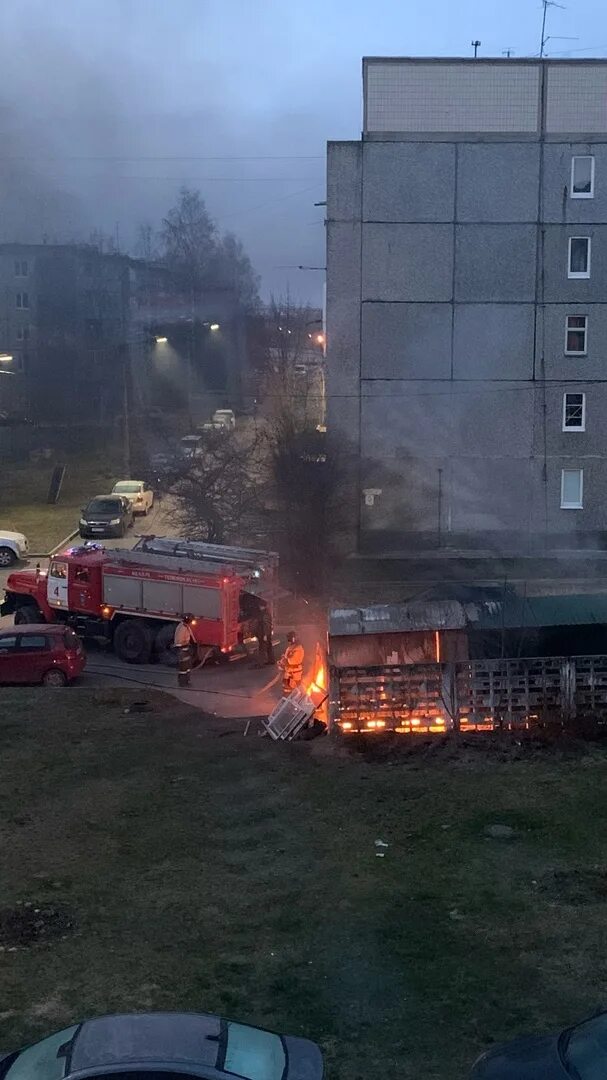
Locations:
column 508, row 52
column 543, row 39
column 476, row 44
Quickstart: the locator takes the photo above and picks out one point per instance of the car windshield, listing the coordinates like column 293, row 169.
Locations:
column 255, row 1054
column 104, row 506
column 585, row 1051
column 128, row 487
column 44, row 1061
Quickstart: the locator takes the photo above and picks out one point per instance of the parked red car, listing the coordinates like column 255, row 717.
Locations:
column 52, row 655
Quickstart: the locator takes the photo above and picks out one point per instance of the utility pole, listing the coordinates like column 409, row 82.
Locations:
column 476, row 46
column 126, row 410
column 439, row 509
column 543, row 37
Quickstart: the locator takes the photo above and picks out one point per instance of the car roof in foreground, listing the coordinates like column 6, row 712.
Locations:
column 196, row 1041
column 146, row 1037
column 33, row 628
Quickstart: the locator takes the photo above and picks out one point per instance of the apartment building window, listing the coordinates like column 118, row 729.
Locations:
column 572, row 489
column 579, row 257
column 574, row 412
column 22, row 300
column 21, row 268
column 23, row 333
column 582, row 177
column 576, row 335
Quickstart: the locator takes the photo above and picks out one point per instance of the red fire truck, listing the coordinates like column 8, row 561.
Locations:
column 134, row 598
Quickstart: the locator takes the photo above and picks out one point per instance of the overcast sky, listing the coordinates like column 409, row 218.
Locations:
column 106, row 106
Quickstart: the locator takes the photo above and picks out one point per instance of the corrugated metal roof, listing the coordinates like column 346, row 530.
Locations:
column 391, row 618
column 513, row 612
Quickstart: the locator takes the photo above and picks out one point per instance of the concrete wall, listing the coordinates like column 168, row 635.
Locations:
column 493, row 341
column 344, row 196
column 408, row 181
column 406, row 341
column 447, row 296
column 407, row 262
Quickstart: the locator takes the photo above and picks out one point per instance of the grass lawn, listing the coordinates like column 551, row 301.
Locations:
column 207, row 871
column 24, row 488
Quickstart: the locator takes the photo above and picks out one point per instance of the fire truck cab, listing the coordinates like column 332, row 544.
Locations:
column 133, row 599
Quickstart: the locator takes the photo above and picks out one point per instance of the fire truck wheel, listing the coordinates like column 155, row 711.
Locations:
column 28, row 613
column 133, row 641
column 163, row 646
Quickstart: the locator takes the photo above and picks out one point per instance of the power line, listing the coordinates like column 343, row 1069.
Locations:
column 160, row 157
column 198, row 179
column 264, row 205
column 593, row 48
column 571, row 384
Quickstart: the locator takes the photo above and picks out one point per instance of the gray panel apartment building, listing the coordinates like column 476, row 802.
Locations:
column 467, row 304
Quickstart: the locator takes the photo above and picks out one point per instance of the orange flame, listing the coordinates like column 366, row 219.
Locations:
column 318, row 683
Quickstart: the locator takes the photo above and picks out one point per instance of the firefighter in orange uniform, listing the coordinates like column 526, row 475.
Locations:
column 292, row 662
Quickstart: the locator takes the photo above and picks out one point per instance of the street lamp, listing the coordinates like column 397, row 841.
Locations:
column 161, row 340
column 214, row 326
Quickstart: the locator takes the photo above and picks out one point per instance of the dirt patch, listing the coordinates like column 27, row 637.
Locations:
column 34, row 924
column 52, row 1009
column 474, row 747
column 582, row 885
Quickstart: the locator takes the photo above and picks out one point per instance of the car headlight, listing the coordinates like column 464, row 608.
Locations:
column 83, row 522
column 115, row 521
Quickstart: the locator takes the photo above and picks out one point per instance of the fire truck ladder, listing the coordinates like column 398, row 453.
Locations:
column 247, row 562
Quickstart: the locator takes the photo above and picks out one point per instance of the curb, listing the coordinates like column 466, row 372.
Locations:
column 53, row 551
column 65, row 540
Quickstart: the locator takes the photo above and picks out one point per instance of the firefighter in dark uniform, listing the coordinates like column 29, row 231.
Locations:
column 185, row 644
column 265, row 646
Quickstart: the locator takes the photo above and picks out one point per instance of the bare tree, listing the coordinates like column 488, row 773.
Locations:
column 217, row 495
column 290, row 364
column 235, row 268
column 200, row 257
column 146, row 243
column 309, row 476
column 189, row 241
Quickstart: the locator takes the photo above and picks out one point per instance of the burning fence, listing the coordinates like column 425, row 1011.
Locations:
column 397, row 674
column 474, row 696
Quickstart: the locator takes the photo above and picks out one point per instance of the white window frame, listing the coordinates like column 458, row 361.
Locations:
column 576, row 330
column 576, row 273
column 577, row 505
column 582, row 194
column 19, row 301
column 574, row 427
